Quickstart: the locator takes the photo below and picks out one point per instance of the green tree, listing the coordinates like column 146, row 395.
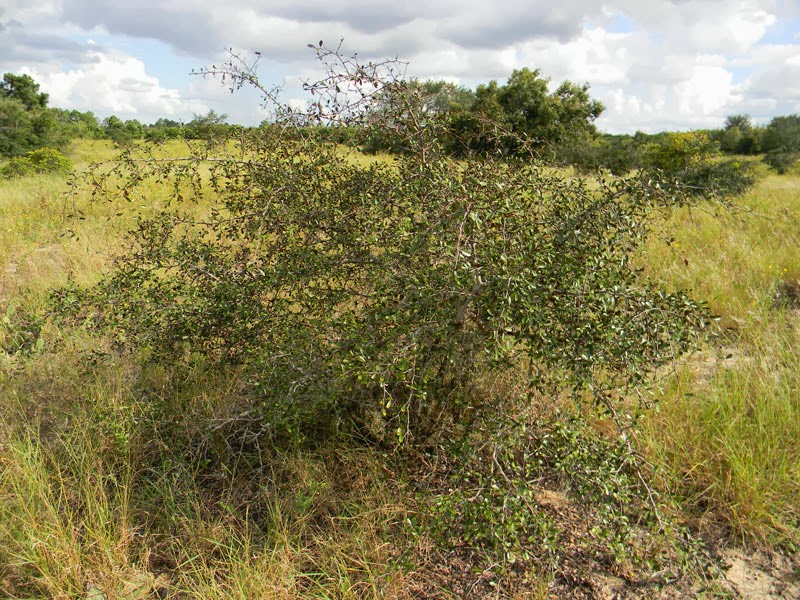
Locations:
column 494, row 117
column 25, row 121
column 23, row 130
column 781, row 142
column 24, row 89
column 209, row 126
column 16, row 129
column 441, row 97
column 576, row 110
column 524, row 107
column 485, row 127
column 618, row 154
column 782, row 133
column 49, row 130
column 528, row 107
column 121, row 132
column 688, row 162
column 740, row 122
column 675, row 152
column 739, row 136
column 163, row 123
column 78, row 124
column 134, row 128
column 163, row 129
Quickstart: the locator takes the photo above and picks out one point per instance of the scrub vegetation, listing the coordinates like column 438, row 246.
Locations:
column 261, row 363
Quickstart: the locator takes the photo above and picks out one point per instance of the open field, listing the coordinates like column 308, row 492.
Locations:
column 119, row 480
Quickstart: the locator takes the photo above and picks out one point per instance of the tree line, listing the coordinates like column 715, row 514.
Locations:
column 558, row 125
column 27, row 122
column 778, row 142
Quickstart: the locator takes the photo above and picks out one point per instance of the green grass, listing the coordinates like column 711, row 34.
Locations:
column 728, row 445
column 99, row 492
column 726, row 436
column 733, row 258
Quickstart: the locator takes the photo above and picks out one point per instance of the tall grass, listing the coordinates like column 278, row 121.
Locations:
column 65, row 488
column 729, row 445
column 726, row 436
column 733, row 257
column 121, row 493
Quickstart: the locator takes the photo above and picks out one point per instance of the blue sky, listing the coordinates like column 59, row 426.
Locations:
column 655, row 64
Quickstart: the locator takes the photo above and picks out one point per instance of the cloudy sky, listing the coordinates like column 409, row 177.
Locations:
column 655, row 64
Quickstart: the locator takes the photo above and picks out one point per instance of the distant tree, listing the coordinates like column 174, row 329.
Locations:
column 24, row 89
column 77, row 123
column 689, row 163
column 525, row 107
column 781, row 142
column 134, row 128
column 209, row 126
column 162, row 122
column 740, row 122
column 618, row 154
column 23, row 130
column 88, row 124
column 162, row 130
column 783, row 133
column 115, row 129
column 528, row 107
column 575, row 108
column 112, row 123
column 675, row 152
column 485, row 127
column 25, row 121
column 739, row 136
column 440, row 97
column 49, row 131
column 495, row 117
column 16, row 130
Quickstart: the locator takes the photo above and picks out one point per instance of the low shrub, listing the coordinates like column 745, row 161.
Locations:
column 41, row 160
column 781, row 161
column 374, row 296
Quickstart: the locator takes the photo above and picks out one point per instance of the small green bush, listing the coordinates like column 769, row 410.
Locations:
column 718, row 178
column 42, row 160
column 688, row 164
column 781, row 161
column 16, row 167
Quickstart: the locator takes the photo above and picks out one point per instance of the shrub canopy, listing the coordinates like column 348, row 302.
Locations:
column 378, row 294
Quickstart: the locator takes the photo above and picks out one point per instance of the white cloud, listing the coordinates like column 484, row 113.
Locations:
column 703, row 25
column 298, row 104
column 112, row 83
column 773, row 85
column 677, row 64
column 707, row 90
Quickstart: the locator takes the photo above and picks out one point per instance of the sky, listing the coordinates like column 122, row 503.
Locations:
column 655, row 64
